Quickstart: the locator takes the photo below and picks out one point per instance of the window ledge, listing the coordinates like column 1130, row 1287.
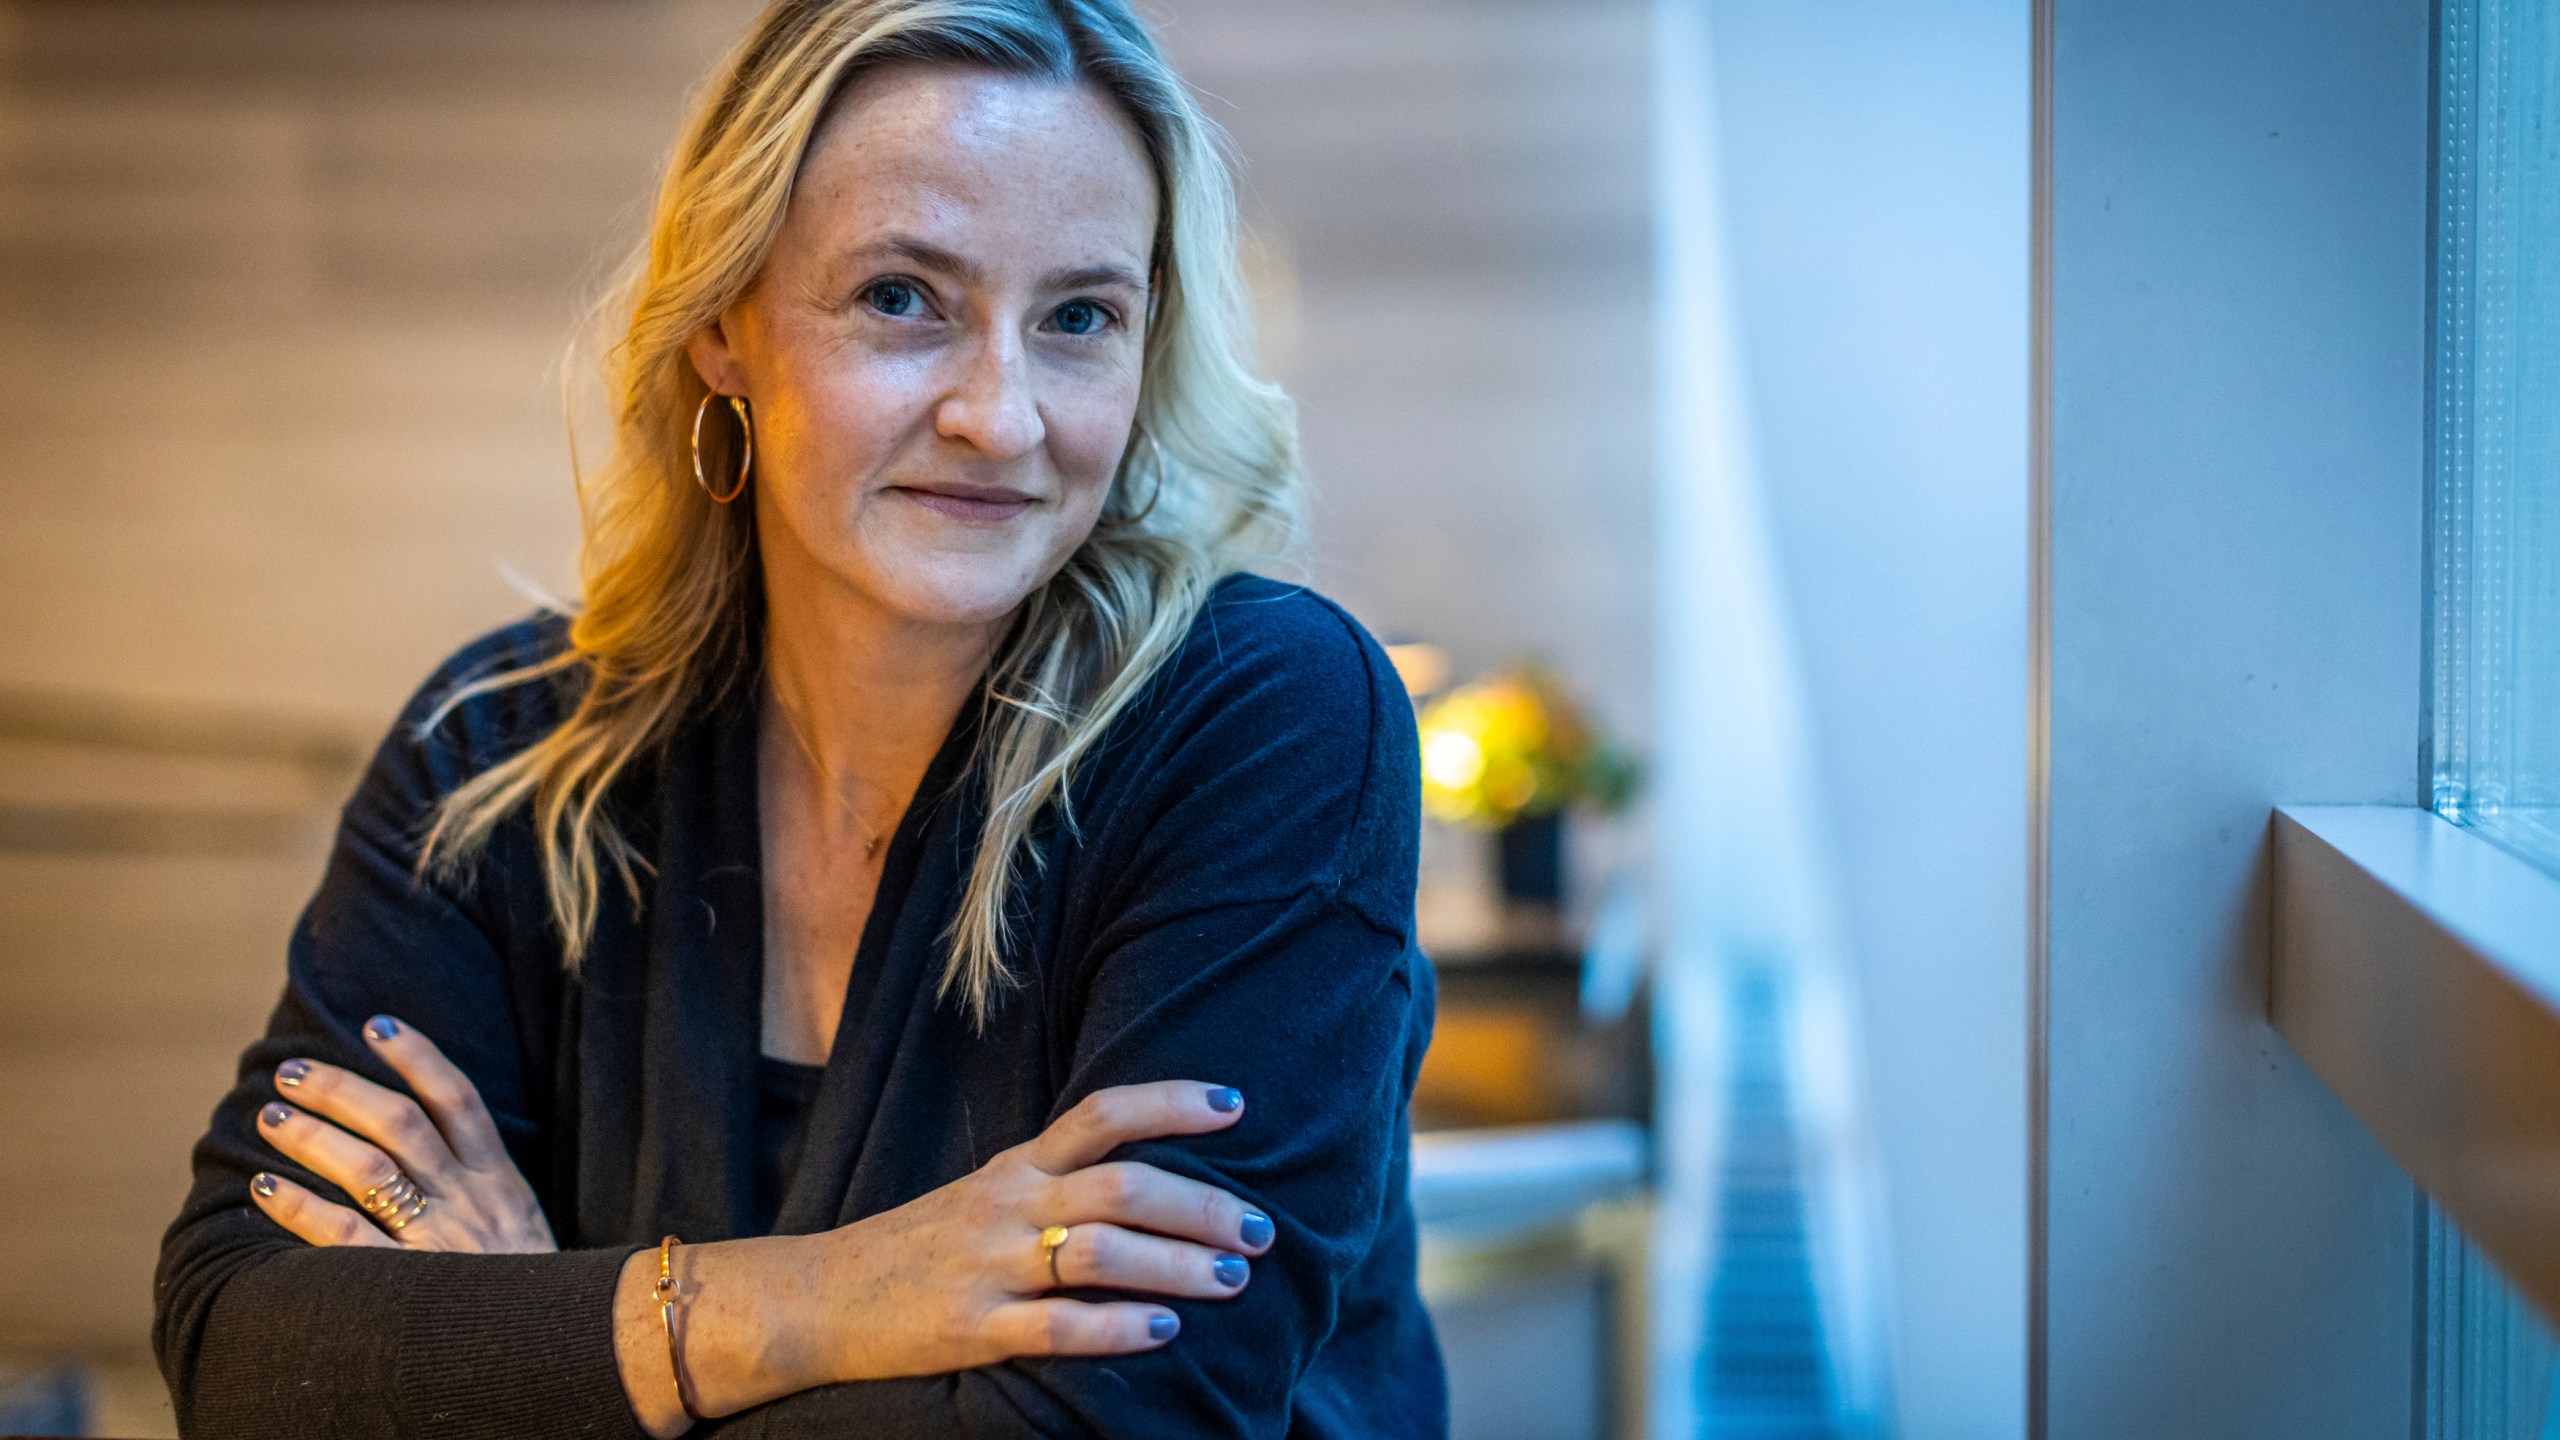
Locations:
column 2417, row 970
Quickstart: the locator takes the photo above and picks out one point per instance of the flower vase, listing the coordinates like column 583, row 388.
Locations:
column 1529, row 859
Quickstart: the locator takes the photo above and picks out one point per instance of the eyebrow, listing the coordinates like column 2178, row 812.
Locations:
column 934, row 257
column 1089, row 276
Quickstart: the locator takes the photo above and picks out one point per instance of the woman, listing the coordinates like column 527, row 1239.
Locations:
column 927, row 948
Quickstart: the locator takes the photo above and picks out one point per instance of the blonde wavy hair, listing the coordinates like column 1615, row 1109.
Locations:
column 671, row 592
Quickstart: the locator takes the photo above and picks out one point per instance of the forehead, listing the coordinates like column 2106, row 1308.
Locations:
column 995, row 167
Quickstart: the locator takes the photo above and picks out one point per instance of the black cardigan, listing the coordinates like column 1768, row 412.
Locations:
column 1232, row 903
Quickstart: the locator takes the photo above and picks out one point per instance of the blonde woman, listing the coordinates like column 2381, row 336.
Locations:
column 926, row 949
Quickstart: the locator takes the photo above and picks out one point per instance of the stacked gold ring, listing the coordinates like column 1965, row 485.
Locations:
column 395, row 1203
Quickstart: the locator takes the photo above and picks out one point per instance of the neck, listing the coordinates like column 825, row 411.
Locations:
column 862, row 696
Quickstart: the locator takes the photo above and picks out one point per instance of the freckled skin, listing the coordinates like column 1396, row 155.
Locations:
column 875, row 372
column 942, row 355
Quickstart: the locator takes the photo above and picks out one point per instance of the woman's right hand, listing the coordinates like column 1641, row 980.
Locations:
column 959, row 1277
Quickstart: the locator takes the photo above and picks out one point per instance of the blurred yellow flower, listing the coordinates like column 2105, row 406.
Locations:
column 1513, row 744
column 1451, row 760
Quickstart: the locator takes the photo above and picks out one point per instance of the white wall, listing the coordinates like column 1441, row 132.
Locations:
column 2232, row 503
column 1877, row 185
column 2239, row 213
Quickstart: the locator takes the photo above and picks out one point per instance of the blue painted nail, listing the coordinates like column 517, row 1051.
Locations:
column 1163, row 1327
column 381, row 1027
column 274, row 1115
column 1230, row 1270
column 1225, row 1099
column 290, row 1073
column 1254, row 1230
column 264, row 1184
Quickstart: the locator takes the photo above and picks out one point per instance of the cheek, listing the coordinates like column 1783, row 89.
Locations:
column 1089, row 432
column 1087, row 469
column 831, row 429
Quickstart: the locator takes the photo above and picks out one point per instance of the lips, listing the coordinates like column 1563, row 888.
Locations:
column 968, row 504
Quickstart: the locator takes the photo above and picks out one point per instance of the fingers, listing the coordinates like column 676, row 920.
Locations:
column 1108, row 1119
column 1146, row 1198
column 352, row 1165
column 313, row 1218
column 1106, row 1257
column 1077, row 1327
column 385, row 1118
column 448, row 1095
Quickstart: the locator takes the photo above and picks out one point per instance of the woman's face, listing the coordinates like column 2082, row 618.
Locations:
column 943, row 351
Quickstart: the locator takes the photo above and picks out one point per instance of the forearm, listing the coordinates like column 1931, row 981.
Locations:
column 748, row 1328
column 262, row 1341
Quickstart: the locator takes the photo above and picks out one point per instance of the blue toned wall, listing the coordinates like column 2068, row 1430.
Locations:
column 1876, row 180
column 2238, row 230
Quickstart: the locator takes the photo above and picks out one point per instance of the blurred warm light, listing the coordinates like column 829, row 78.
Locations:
column 1451, row 760
column 1493, row 1065
column 1423, row 668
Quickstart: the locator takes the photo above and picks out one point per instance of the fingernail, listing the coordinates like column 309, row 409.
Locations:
column 263, row 1183
column 1230, row 1270
column 1225, row 1099
column 381, row 1027
column 274, row 1115
column 1163, row 1327
column 1254, row 1230
column 290, row 1073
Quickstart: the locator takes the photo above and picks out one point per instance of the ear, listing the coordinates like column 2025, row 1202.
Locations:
column 716, row 360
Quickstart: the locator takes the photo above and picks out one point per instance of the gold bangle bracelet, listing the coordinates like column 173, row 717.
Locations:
column 668, row 1289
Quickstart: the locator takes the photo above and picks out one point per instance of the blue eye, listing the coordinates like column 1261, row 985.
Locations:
column 894, row 297
column 1079, row 317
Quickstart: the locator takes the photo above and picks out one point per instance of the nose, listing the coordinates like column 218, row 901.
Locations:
column 992, row 409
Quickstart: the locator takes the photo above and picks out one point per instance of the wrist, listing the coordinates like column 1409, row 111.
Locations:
column 754, row 1321
column 794, row 1328
column 641, row 1351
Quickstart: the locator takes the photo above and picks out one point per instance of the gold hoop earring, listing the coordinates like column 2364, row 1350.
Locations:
column 1156, row 452
column 747, row 434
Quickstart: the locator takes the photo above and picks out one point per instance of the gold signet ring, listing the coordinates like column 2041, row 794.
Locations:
column 1050, row 1240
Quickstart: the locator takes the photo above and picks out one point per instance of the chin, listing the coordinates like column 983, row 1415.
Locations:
column 961, row 589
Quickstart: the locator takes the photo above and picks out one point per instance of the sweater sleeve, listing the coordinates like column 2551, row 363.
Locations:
column 1255, row 933
column 260, row 1334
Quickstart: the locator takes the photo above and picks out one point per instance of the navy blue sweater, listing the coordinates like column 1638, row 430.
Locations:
column 1234, row 904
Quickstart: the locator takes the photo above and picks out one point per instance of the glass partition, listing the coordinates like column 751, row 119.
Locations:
column 2496, row 423
column 2486, row 1357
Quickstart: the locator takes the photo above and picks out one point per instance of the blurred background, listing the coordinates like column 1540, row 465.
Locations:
column 285, row 292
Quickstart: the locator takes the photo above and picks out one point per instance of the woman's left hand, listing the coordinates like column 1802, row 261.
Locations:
column 471, row 1196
